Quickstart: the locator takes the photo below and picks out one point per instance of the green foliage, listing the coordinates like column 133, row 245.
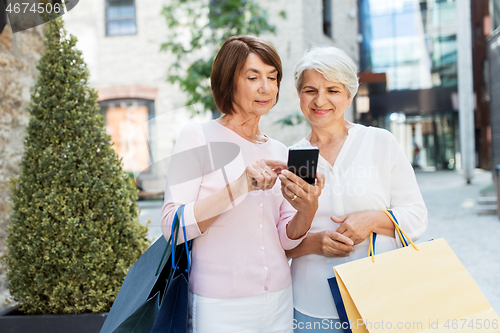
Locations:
column 74, row 231
column 197, row 29
column 292, row 119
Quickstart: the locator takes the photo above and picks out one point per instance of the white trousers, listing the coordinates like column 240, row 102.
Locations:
column 266, row 313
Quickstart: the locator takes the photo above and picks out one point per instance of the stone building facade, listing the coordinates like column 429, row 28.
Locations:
column 129, row 71
column 19, row 55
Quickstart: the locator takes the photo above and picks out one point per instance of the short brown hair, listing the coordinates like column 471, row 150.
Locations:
column 228, row 62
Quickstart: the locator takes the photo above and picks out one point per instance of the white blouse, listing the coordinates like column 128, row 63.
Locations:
column 371, row 172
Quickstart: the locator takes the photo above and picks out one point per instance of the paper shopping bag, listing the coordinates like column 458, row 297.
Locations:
column 409, row 290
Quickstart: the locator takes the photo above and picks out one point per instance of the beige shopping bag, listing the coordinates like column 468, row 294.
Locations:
column 409, row 290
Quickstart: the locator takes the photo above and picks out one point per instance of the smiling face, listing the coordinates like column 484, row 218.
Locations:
column 322, row 102
column 256, row 87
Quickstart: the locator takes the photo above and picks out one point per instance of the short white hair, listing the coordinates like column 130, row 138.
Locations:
column 333, row 63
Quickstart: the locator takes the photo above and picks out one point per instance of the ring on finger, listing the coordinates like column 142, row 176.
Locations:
column 295, row 197
column 263, row 172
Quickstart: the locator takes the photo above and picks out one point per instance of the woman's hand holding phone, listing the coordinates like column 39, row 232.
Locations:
column 301, row 195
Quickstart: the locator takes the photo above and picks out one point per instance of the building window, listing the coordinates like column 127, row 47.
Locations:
column 120, row 17
column 327, row 18
column 128, row 123
column 415, row 45
column 496, row 14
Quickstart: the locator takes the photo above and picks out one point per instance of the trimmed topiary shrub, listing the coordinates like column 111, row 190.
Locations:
column 74, row 230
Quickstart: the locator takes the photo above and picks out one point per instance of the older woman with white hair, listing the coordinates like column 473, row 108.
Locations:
column 366, row 171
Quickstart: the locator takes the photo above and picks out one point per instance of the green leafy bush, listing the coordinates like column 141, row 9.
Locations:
column 74, row 230
column 194, row 38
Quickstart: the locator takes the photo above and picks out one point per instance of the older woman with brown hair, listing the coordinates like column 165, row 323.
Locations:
column 236, row 215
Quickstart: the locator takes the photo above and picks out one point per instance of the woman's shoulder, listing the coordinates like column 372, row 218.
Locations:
column 382, row 139
column 192, row 127
column 277, row 146
column 191, row 130
column 201, row 129
column 303, row 143
column 377, row 133
column 196, row 133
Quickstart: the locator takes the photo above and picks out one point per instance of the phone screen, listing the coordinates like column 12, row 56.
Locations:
column 303, row 162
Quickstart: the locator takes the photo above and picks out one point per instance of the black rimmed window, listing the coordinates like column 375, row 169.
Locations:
column 120, row 17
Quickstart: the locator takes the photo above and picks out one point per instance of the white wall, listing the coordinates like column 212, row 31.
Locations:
column 302, row 29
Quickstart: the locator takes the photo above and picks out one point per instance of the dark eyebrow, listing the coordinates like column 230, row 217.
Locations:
column 256, row 71
column 331, row 87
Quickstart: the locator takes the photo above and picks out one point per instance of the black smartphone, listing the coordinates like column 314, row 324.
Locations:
column 303, row 162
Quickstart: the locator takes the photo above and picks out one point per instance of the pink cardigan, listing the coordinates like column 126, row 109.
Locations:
column 242, row 253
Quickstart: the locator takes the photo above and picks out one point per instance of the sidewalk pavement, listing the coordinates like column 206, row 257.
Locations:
column 452, row 215
column 151, row 211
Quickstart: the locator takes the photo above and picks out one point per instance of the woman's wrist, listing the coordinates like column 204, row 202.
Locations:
column 299, row 225
column 307, row 246
column 306, row 219
column 383, row 225
column 238, row 187
column 313, row 244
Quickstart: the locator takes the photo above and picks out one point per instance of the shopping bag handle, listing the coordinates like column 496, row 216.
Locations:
column 185, row 241
column 402, row 235
column 174, row 232
column 371, row 245
column 403, row 240
column 174, row 267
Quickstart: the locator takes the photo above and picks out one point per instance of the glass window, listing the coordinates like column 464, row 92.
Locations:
column 127, row 121
column 444, row 60
column 429, row 141
column 444, row 11
column 327, row 18
column 412, row 41
column 120, row 17
column 496, row 14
